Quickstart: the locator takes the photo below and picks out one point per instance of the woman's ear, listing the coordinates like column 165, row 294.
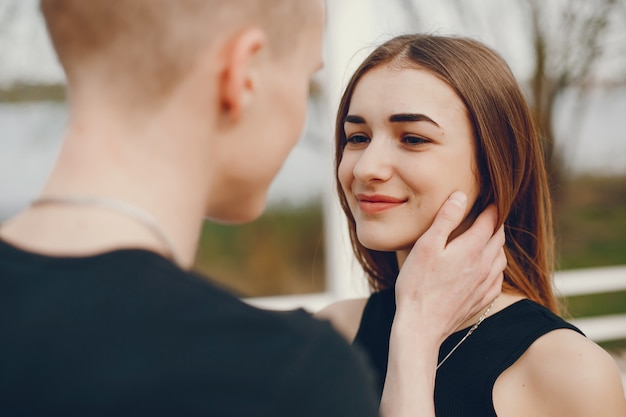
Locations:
column 239, row 72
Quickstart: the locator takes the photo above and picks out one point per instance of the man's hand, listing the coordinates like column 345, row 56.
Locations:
column 440, row 286
column 446, row 283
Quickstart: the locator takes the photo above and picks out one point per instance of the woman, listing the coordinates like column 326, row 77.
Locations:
column 424, row 116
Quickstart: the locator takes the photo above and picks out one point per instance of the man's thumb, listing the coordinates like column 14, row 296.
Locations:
column 449, row 217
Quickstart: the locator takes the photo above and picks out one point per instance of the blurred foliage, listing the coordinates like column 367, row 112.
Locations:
column 591, row 222
column 19, row 93
column 280, row 253
column 596, row 304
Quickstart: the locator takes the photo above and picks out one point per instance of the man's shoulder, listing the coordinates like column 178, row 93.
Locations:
column 289, row 352
column 173, row 325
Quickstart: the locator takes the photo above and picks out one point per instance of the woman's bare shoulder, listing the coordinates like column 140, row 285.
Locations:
column 569, row 375
column 344, row 316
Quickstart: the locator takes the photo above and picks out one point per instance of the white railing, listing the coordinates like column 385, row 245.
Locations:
column 567, row 283
column 595, row 281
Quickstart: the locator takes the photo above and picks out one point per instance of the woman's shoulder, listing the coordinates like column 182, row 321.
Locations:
column 564, row 373
column 569, row 352
column 344, row 316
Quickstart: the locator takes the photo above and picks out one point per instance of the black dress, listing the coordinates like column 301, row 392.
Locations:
column 464, row 383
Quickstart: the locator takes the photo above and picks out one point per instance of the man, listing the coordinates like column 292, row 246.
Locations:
column 180, row 110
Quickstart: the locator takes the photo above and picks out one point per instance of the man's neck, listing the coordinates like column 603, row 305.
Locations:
column 133, row 169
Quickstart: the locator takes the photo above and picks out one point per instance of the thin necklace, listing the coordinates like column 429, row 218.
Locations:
column 469, row 332
column 118, row 206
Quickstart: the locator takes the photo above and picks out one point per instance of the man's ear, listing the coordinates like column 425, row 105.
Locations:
column 238, row 78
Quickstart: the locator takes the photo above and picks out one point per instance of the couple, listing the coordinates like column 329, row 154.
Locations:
column 186, row 110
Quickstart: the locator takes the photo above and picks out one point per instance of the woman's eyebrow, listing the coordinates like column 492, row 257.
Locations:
column 411, row 117
column 354, row 119
column 395, row 118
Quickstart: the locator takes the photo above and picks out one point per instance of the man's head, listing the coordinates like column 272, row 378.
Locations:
column 234, row 73
column 146, row 46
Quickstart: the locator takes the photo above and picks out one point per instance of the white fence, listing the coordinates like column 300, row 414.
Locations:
column 595, row 281
column 567, row 283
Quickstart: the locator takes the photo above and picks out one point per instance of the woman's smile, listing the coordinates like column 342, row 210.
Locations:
column 376, row 203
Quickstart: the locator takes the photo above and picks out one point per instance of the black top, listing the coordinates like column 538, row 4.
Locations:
column 129, row 333
column 464, row 383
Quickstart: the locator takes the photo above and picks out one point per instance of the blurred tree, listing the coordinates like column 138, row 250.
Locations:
column 565, row 58
column 567, row 41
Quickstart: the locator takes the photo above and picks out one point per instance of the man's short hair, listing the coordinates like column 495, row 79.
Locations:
column 146, row 45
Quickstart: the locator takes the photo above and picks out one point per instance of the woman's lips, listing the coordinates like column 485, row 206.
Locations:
column 377, row 203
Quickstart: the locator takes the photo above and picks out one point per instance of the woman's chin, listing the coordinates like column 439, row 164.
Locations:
column 387, row 246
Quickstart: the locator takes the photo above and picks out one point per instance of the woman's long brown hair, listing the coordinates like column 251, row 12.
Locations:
column 510, row 164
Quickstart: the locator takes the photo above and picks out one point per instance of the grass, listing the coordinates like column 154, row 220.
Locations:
column 280, row 253
column 20, row 93
column 591, row 222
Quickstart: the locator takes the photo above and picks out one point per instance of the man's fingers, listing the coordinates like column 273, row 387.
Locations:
column 495, row 244
column 482, row 229
column 491, row 286
column 448, row 218
column 494, row 290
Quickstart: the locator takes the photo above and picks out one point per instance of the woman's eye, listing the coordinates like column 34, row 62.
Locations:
column 414, row 140
column 357, row 139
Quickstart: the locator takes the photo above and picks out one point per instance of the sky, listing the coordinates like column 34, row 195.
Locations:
column 26, row 53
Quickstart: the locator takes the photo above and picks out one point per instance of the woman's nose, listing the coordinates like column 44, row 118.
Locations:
column 375, row 163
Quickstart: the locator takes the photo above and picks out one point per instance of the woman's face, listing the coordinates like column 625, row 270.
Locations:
column 409, row 145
